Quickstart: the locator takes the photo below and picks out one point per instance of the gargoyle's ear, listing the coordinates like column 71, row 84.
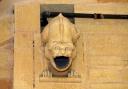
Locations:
column 75, row 34
column 44, row 34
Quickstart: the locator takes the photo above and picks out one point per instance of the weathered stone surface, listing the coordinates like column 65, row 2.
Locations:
column 27, row 22
column 109, row 1
column 102, row 65
column 23, row 61
column 108, row 8
column 117, row 61
column 4, row 84
column 27, row 17
column 112, row 75
column 4, row 64
column 5, row 52
column 105, row 47
column 5, row 28
column 109, row 86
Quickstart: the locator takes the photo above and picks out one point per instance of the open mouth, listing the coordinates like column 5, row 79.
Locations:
column 61, row 61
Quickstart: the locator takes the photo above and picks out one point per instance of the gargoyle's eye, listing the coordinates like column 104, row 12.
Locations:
column 57, row 48
column 68, row 49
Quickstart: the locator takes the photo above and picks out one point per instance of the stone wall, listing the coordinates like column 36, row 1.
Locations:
column 6, row 52
column 104, row 42
column 6, row 6
column 105, row 47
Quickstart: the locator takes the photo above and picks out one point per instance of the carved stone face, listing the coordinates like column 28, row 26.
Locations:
column 59, row 38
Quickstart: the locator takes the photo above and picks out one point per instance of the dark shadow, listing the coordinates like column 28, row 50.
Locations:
column 61, row 61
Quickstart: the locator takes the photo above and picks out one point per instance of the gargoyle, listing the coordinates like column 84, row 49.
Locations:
column 59, row 38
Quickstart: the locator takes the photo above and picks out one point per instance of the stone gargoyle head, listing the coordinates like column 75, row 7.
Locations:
column 59, row 38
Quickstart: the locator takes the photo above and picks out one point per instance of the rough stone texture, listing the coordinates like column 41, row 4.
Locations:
column 23, row 64
column 25, row 22
column 5, row 29
column 6, row 54
column 109, row 1
column 6, row 6
column 27, row 19
column 105, row 46
column 104, row 57
column 4, row 84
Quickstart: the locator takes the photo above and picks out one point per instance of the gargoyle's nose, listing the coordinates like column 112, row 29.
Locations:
column 62, row 52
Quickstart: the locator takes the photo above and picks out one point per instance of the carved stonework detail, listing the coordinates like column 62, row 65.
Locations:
column 59, row 38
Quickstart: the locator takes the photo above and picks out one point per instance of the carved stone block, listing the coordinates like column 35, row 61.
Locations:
column 59, row 38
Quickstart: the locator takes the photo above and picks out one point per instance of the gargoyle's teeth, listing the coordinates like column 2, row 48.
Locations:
column 61, row 61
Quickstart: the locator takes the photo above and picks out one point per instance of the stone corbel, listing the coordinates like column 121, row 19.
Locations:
column 59, row 38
